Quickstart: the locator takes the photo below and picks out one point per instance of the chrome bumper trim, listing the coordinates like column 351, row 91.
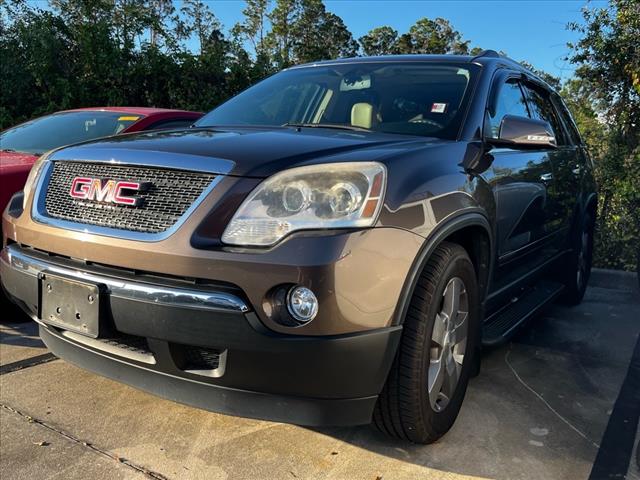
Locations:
column 138, row 291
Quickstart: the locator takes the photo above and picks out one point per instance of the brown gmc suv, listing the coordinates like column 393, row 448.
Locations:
column 333, row 246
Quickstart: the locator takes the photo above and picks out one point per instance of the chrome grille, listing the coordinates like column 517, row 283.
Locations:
column 171, row 193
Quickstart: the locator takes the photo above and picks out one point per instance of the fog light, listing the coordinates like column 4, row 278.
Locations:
column 302, row 304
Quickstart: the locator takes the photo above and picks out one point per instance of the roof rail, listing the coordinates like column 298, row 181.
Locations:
column 486, row 53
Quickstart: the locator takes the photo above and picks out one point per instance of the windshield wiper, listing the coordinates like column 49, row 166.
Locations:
column 327, row 125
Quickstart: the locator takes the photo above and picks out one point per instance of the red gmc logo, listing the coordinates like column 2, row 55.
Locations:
column 106, row 191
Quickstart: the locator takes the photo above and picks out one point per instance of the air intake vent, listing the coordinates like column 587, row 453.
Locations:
column 201, row 358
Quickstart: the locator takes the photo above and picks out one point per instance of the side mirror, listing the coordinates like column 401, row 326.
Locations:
column 523, row 132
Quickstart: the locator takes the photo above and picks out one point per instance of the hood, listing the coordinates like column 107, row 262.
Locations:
column 14, row 161
column 251, row 152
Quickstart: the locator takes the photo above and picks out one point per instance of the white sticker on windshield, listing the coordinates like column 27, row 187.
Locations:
column 438, row 108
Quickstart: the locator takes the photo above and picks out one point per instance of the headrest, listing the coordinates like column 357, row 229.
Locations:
column 362, row 115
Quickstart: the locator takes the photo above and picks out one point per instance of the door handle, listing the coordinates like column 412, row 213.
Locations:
column 546, row 177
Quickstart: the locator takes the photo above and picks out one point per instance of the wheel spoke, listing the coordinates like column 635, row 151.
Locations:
column 459, row 332
column 451, row 303
column 452, row 374
column 439, row 329
column 435, row 380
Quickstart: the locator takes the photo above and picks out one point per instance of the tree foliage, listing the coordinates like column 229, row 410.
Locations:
column 163, row 53
column 380, row 41
column 605, row 99
column 425, row 36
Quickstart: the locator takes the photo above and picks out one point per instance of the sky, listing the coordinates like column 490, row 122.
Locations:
column 534, row 31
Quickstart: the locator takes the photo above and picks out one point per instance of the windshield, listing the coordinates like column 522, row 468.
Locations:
column 425, row 99
column 53, row 131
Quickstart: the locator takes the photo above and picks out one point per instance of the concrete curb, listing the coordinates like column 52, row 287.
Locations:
column 601, row 277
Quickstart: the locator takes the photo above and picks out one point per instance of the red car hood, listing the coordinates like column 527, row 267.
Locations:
column 14, row 170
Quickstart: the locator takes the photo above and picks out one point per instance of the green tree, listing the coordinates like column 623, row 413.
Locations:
column 320, row 35
column 37, row 64
column 379, row 41
column 436, row 36
column 254, row 26
column 304, row 31
column 580, row 101
column 280, row 38
column 605, row 99
column 608, row 60
column 201, row 22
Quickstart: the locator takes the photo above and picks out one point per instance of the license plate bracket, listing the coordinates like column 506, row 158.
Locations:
column 70, row 304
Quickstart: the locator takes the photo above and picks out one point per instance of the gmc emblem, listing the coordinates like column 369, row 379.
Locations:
column 106, row 191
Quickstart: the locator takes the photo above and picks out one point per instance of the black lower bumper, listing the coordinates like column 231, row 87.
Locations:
column 243, row 403
column 306, row 380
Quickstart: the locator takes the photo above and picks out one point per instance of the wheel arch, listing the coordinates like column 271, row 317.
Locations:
column 589, row 205
column 464, row 230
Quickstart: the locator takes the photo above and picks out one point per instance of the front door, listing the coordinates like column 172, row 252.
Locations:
column 523, row 184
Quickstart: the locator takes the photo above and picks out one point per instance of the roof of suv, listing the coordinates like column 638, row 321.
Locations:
column 485, row 58
column 394, row 58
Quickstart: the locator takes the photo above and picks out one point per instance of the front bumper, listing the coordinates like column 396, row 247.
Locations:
column 307, row 380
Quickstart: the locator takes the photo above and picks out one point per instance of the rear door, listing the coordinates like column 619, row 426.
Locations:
column 563, row 189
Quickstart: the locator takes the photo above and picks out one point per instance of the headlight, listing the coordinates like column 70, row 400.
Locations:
column 335, row 195
column 33, row 177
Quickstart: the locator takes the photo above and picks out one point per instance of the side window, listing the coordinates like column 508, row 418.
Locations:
column 567, row 119
column 542, row 109
column 510, row 101
column 165, row 124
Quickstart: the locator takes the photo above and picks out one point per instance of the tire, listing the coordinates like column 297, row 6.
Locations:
column 405, row 409
column 578, row 266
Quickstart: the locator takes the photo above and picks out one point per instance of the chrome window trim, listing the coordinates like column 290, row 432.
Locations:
column 131, row 290
column 131, row 158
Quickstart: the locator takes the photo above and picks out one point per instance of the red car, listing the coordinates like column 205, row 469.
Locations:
column 20, row 146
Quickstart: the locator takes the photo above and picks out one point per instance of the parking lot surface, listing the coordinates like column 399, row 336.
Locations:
column 560, row 401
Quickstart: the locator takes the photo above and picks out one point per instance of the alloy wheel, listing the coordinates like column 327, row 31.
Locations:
column 448, row 344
